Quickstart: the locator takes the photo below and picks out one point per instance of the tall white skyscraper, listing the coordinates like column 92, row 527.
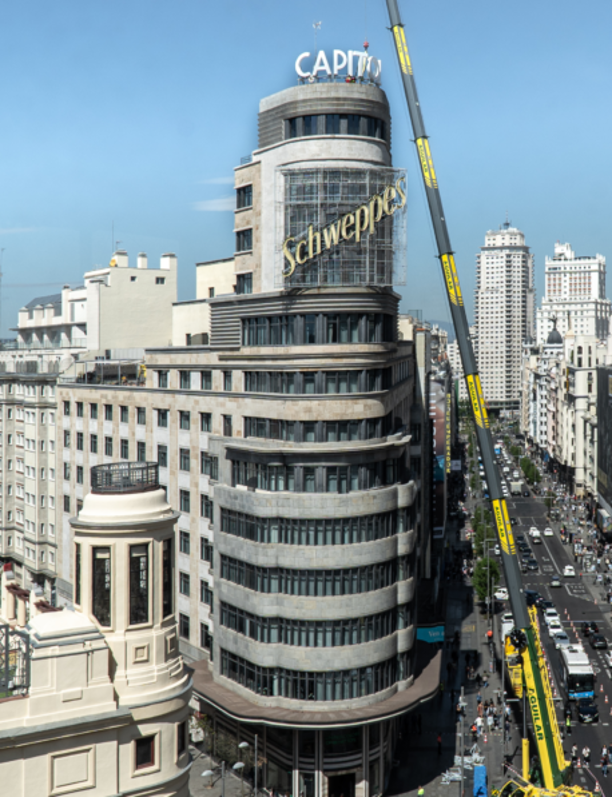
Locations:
column 503, row 313
column 576, row 291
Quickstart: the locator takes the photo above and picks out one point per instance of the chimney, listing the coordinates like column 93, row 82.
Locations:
column 120, row 259
column 168, row 261
column 142, row 260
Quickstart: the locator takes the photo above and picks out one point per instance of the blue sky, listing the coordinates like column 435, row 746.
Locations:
column 134, row 113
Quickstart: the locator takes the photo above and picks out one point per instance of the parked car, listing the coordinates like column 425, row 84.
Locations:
column 501, row 594
column 555, row 581
column 587, row 710
column 569, row 571
column 598, row 642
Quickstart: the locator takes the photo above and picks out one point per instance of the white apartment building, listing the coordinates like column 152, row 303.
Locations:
column 503, row 313
column 116, row 313
column 575, row 295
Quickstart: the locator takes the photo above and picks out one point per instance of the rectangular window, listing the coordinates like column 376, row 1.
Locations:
column 144, row 752
column 79, row 441
column 66, row 439
column 67, row 471
column 141, row 451
column 139, row 584
column 206, row 422
column 185, row 546
column 184, row 583
column 160, row 280
column 141, row 416
column 162, row 456
column 162, row 419
column 93, row 443
column 124, row 415
column 206, row 380
column 184, row 501
column 162, row 379
column 184, row 459
column 108, row 446
column 206, row 550
column 181, row 738
column 184, row 626
column 79, row 474
column 93, row 412
column 66, row 408
column 79, row 409
column 244, row 240
column 167, row 577
column 185, row 380
column 310, row 329
column 108, row 412
column 101, row 585
column 77, row 572
column 227, row 425
column 207, row 508
column 227, row 380
column 66, row 503
column 184, row 420
column 244, row 283
column 125, row 448
column 244, row 197
column 209, row 466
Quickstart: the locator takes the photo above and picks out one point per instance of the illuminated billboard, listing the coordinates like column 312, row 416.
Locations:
column 340, row 227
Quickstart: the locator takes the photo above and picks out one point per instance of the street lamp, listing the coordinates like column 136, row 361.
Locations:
column 244, row 746
column 208, row 773
column 239, row 767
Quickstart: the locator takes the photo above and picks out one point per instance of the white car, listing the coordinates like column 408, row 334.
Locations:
column 551, row 614
column 532, row 530
column 554, row 627
column 608, row 658
column 561, row 640
column 501, row 594
column 548, row 532
column 569, row 571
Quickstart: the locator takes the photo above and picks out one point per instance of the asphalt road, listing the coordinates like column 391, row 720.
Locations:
column 577, row 600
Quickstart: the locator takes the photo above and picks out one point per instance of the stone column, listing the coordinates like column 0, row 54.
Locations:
column 22, row 617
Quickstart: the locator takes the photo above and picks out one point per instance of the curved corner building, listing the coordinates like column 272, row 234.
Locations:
column 317, row 505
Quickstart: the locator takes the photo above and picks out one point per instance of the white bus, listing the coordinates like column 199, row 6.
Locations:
column 578, row 675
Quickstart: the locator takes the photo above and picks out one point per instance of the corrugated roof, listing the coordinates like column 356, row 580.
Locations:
column 53, row 298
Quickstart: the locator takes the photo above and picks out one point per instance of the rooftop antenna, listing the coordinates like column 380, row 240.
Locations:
column 317, row 28
column 507, row 222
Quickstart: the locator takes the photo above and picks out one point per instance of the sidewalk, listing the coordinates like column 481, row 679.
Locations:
column 419, row 763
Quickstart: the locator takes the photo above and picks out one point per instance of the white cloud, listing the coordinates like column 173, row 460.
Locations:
column 218, row 181
column 214, row 205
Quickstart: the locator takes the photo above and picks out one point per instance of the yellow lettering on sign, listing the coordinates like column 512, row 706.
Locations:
column 483, row 409
column 455, row 278
column 402, row 49
column 448, row 276
column 351, row 225
column 471, row 386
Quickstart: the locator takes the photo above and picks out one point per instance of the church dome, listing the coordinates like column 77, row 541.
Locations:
column 554, row 338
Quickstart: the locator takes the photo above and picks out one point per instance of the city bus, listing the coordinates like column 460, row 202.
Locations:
column 577, row 671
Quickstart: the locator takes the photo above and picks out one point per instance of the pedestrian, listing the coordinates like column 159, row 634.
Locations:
column 474, row 730
column 479, row 724
column 490, row 719
column 421, row 792
column 604, row 764
column 574, row 754
column 439, row 744
column 485, row 680
column 586, row 755
column 478, row 698
column 568, row 726
column 458, row 711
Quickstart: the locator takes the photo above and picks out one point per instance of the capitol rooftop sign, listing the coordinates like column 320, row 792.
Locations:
column 353, row 65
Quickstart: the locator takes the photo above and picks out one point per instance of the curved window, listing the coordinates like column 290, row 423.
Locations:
column 305, row 330
column 319, row 479
column 329, row 685
column 316, row 531
column 334, row 124
column 315, row 583
column 315, row 633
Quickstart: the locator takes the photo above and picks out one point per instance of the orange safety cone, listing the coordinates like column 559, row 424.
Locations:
column 579, row 765
column 601, row 687
column 606, row 700
column 485, row 738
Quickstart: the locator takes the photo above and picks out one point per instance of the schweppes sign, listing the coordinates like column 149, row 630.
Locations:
column 352, row 226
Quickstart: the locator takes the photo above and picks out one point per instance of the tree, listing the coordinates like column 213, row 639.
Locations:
column 515, row 451
column 486, row 577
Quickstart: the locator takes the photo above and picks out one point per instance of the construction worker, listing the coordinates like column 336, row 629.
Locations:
column 568, row 725
column 421, row 792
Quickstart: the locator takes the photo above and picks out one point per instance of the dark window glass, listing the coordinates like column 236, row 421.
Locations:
column 79, row 409
column 181, row 738
column 77, row 574
column 244, row 197
column 162, row 456
column 310, row 329
column 185, row 380
column 244, row 283
column 125, row 449
column 352, row 124
column 162, row 418
column 310, row 125
column 162, row 379
column 184, row 420
column 141, row 451
column 124, row 414
column 227, row 425
column 93, row 411
column 184, row 586
column 66, row 503
column 206, row 422
column 139, row 584
column 79, row 474
column 184, row 459
column 291, row 128
column 167, row 571
column 141, row 416
column 66, row 408
column 101, row 585
column 332, row 124
column 145, row 752
column 206, row 380
column 244, row 240
column 184, row 626
column 185, row 544
column 227, row 380
column 207, row 507
column 93, row 443
column 79, row 441
column 184, row 500
column 66, row 439
column 108, row 446
column 108, row 412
